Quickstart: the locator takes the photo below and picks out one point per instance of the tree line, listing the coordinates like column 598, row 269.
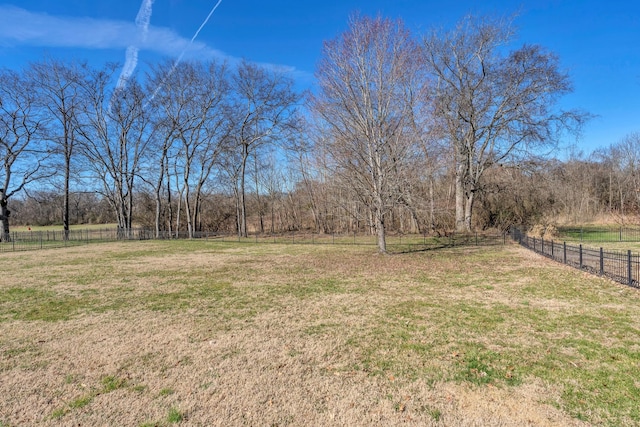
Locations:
column 407, row 133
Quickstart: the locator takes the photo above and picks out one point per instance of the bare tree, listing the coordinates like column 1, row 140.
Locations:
column 165, row 126
column 115, row 133
column 21, row 151
column 369, row 88
column 192, row 102
column 263, row 112
column 58, row 88
column 626, row 156
column 492, row 107
column 230, row 176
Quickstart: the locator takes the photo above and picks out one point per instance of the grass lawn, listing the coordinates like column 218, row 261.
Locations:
column 161, row 333
column 607, row 237
column 606, row 245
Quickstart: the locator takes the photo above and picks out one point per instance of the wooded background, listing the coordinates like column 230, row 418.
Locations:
column 406, row 133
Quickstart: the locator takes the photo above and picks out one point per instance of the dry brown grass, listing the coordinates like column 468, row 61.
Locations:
column 228, row 335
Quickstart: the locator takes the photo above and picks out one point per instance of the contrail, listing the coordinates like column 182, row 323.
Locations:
column 144, row 17
column 131, row 60
column 205, row 21
column 175, row 64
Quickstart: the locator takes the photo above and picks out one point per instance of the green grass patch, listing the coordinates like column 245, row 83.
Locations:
column 108, row 384
column 166, row 392
column 111, row 383
column 81, row 402
column 59, row 413
column 174, row 416
column 37, row 304
column 480, row 366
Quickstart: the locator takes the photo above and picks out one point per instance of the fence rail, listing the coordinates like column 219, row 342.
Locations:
column 621, row 266
column 35, row 240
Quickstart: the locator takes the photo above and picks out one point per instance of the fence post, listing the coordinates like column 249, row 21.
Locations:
column 476, row 238
column 581, row 256
column 629, row 269
column 40, row 240
column 601, row 262
column 564, row 249
column 542, row 249
column 553, row 246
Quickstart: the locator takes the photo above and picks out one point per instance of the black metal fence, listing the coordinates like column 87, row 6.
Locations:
column 34, row 240
column 621, row 266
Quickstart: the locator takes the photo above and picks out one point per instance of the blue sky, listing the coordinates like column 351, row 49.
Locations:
column 598, row 42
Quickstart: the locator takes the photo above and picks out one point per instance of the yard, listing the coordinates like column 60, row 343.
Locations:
column 160, row 333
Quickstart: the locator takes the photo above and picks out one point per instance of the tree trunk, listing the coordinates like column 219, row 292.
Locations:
column 187, row 194
column 158, row 203
column 460, row 206
column 273, row 217
column 159, row 192
column 243, row 205
column 187, row 206
column 169, row 204
column 130, row 205
column 4, row 220
column 432, row 208
column 380, row 231
column 468, row 209
column 259, row 201
column 179, row 212
column 238, row 211
column 65, row 212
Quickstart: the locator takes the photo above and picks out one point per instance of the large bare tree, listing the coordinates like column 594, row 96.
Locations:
column 492, row 106
column 369, row 89
column 59, row 94
column 21, row 151
column 192, row 102
column 115, row 133
column 264, row 111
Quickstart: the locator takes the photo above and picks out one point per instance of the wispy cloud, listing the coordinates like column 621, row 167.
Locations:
column 20, row 27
